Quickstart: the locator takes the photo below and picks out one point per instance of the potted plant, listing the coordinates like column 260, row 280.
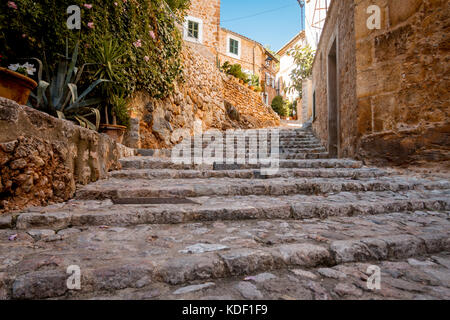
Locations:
column 119, row 111
column 15, row 83
column 108, row 61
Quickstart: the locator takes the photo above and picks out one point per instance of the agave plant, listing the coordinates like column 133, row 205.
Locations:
column 107, row 57
column 61, row 96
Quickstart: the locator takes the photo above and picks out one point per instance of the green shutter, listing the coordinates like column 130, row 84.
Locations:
column 234, row 46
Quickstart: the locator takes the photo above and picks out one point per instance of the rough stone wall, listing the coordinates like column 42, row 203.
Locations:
column 200, row 97
column 253, row 58
column 209, row 12
column 253, row 112
column 403, row 82
column 43, row 158
column 340, row 22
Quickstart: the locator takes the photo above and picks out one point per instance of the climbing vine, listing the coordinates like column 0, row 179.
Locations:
column 145, row 28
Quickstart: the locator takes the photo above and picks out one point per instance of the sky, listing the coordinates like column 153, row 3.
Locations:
column 273, row 22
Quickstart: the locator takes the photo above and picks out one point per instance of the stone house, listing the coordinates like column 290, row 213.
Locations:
column 380, row 90
column 202, row 26
column 287, row 65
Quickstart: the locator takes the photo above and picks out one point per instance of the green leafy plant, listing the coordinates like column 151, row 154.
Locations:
column 120, row 114
column 60, row 96
column 236, row 71
column 279, row 106
column 108, row 61
column 147, row 30
column 303, row 59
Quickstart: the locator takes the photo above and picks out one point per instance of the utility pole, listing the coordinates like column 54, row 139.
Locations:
column 302, row 14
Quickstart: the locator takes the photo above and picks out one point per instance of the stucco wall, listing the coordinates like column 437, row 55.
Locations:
column 42, row 158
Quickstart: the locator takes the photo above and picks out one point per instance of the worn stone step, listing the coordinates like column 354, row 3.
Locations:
column 189, row 188
column 78, row 213
column 246, row 174
column 154, row 163
column 292, row 156
column 422, row 277
column 112, row 259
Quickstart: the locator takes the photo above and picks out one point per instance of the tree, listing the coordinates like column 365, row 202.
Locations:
column 280, row 106
column 303, row 59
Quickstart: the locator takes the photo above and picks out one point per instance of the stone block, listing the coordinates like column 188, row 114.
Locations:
column 400, row 11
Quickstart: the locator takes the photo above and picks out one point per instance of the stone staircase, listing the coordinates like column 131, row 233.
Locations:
column 159, row 229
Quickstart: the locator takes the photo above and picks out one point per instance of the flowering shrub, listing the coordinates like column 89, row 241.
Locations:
column 145, row 28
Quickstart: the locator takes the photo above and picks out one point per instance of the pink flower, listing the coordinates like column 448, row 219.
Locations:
column 152, row 34
column 12, row 4
column 116, row 4
column 87, row 6
column 138, row 43
column 147, row 58
column 24, row 35
column 90, row 25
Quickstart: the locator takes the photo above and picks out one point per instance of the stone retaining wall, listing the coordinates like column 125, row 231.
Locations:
column 42, row 158
column 201, row 97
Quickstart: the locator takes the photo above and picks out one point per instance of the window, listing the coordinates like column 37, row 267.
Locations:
column 267, row 79
column 234, row 46
column 193, row 29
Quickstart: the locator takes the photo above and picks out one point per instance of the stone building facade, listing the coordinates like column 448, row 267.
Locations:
column 287, row 65
column 381, row 94
column 202, row 26
column 254, row 59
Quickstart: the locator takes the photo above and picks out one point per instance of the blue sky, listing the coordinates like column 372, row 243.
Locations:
column 274, row 28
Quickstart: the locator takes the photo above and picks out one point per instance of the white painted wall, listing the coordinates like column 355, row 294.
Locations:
column 286, row 67
column 313, row 32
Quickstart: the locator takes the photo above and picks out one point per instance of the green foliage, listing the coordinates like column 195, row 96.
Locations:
column 254, row 80
column 303, row 59
column 60, row 96
column 145, row 29
column 280, row 107
column 236, row 71
column 119, row 105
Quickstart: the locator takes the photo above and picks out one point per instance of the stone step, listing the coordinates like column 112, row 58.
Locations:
column 112, row 259
column 247, row 174
column 422, row 277
column 282, row 140
column 292, row 156
column 190, row 188
column 257, row 155
column 77, row 213
column 155, row 163
column 298, row 149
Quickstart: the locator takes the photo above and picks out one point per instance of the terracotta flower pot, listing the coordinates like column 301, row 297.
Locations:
column 15, row 86
column 115, row 132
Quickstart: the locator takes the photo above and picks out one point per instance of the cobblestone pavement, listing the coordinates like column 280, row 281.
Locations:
column 205, row 232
